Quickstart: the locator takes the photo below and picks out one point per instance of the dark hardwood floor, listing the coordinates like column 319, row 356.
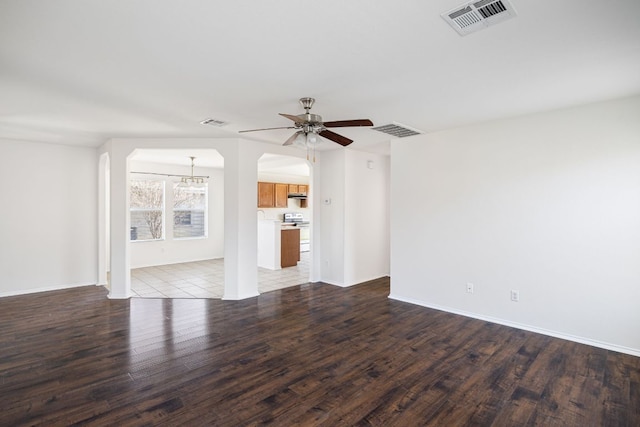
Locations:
column 303, row 356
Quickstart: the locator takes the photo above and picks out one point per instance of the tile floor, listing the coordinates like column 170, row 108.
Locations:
column 205, row 279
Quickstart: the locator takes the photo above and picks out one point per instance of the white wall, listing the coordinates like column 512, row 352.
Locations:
column 331, row 166
column 366, row 217
column 280, row 177
column 48, row 230
column 547, row 204
column 354, row 226
column 168, row 250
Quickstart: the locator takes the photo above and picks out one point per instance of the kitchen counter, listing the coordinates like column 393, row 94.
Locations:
column 269, row 244
column 278, row 244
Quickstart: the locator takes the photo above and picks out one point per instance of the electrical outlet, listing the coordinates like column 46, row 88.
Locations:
column 515, row 295
column 469, row 288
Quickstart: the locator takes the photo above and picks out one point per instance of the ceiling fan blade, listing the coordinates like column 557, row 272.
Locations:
column 292, row 138
column 292, row 117
column 256, row 130
column 348, row 123
column 342, row 140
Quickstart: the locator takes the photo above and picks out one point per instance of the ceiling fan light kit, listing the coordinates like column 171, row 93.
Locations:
column 310, row 126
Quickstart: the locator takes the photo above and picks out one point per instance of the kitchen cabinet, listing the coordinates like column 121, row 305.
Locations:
column 281, row 195
column 289, row 247
column 276, row 195
column 266, row 195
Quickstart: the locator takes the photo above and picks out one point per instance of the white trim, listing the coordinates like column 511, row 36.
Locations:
column 44, row 289
column 332, row 283
column 555, row 334
column 240, row 297
column 115, row 296
column 191, row 238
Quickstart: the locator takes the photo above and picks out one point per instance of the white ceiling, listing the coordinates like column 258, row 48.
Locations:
column 81, row 71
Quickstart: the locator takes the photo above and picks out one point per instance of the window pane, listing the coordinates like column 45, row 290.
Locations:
column 188, row 224
column 189, row 211
column 189, row 197
column 147, row 194
column 146, row 209
column 146, row 225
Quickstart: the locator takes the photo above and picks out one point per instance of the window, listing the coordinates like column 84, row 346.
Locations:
column 189, row 211
column 146, row 209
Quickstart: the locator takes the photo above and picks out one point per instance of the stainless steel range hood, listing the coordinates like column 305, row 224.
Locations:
column 299, row 196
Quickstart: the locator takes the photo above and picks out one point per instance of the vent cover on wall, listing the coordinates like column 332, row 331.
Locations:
column 474, row 16
column 397, row 130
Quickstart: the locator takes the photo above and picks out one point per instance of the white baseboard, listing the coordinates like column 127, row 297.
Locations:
column 329, row 282
column 344, row 285
column 119, row 296
column 43, row 289
column 240, row 297
column 548, row 332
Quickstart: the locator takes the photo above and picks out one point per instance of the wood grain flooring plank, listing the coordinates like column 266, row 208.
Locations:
column 310, row 355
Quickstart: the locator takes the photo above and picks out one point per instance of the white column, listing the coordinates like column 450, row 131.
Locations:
column 120, row 224
column 103, row 218
column 240, row 229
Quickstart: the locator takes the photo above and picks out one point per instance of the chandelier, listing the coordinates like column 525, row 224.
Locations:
column 190, row 181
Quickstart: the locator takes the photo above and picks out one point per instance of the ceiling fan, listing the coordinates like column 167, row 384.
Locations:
column 309, row 125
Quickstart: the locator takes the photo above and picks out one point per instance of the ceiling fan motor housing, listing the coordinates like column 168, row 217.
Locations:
column 311, row 119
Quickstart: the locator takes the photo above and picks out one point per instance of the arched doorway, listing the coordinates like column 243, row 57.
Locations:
column 177, row 223
column 284, row 197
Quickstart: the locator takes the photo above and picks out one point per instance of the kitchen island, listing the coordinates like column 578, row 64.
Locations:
column 289, row 246
column 278, row 245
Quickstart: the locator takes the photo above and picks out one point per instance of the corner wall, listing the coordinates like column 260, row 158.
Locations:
column 546, row 204
column 366, row 217
column 354, row 216
column 330, row 213
column 48, row 230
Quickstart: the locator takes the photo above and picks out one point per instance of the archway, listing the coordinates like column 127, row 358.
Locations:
column 284, row 196
column 177, row 223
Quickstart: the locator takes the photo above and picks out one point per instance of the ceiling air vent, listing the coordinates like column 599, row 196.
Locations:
column 397, row 130
column 474, row 16
column 214, row 122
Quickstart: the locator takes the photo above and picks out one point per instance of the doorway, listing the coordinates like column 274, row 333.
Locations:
column 284, row 209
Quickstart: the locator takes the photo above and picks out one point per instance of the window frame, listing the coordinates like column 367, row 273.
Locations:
column 162, row 210
column 204, row 211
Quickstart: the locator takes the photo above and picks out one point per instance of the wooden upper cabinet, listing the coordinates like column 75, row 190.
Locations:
column 266, row 194
column 282, row 193
column 275, row 195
